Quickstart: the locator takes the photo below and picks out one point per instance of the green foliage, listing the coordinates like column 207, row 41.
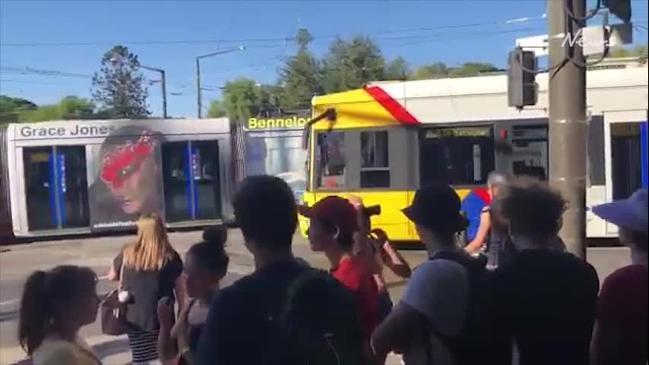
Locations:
column 348, row 64
column 15, row 110
column 244, row 98
column 216, row 110
column 472, row 69
column 9, row 104
column 72, row 107
column 351, row 64
column 397, row 69
column 440, row 70
column 300, row 76
column 433, row 71
column 637, row 51
column 118, row 88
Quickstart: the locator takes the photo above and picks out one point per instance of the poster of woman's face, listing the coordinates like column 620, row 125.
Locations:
column 128, row 178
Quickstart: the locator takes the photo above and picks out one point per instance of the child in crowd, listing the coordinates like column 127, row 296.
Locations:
column 374, row 246
column 54, row 307
column 206, row 264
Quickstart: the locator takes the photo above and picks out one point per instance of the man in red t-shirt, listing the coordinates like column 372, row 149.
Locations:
column 331, row 231
column 620, row 335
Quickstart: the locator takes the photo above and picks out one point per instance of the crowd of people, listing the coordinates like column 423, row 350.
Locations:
column 529, row 302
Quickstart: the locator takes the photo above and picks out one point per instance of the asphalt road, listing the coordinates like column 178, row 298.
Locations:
column 19, row 261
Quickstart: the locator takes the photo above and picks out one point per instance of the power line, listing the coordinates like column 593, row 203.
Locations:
column 271, row 39
column 28, row 70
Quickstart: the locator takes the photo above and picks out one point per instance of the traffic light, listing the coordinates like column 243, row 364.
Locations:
column 619, row 8
column 521, row 76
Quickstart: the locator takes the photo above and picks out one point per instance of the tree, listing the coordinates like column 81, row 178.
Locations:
column 397, row 69
column 618, row 52
column 350, row 65
column 472, row 69
column 299, row 78
column 118, row 88
column 439, row 70
column 433, row 71
column 216, row 109
column 72, row 107
column 10, row 105
column 243, row 98
column 22, row 110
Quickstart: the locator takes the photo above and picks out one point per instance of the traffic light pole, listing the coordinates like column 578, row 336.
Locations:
column 568, row 121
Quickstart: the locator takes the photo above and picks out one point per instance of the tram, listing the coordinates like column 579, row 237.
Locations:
column 383, row 141
column 91, row 176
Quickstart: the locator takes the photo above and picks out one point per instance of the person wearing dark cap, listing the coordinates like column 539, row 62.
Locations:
column 430, row 323
column 333, row 223
column 620, row 335
column 545, row 298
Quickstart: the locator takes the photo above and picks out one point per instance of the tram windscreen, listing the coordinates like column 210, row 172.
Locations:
column 127, row 178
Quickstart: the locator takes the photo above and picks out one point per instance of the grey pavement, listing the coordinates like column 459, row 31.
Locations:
column 19, row 261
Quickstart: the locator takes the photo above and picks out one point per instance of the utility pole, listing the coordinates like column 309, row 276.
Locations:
column 164, row 93
column 199, row 89
column 568, row 121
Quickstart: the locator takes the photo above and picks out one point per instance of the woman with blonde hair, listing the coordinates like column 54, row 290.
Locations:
column 148, row 270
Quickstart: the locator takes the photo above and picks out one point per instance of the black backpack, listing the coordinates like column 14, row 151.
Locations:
column 474, row 342
column 318, row 324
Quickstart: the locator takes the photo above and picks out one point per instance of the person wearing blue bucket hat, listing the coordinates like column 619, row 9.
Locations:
column 620, row 335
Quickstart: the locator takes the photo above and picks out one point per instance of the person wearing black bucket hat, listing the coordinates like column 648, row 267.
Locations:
column 433, row 322
column 437, row 208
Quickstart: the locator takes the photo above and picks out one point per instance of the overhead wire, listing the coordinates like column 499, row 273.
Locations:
column 272, row 39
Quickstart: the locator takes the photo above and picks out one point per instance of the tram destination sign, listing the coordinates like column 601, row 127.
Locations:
column 65, row 130
column 277, row 123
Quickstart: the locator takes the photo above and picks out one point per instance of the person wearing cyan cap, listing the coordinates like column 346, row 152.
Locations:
column 620, row 335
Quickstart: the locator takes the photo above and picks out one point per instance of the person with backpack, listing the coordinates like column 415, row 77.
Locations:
column 441, row 316
column 545, row 298
column 284, row 313
column 333, row 225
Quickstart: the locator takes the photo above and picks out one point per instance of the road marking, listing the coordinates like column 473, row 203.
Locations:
column 8, row 302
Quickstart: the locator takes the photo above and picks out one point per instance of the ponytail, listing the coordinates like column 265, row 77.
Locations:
column 35, row 312
column 210, row 253
column 44, row 295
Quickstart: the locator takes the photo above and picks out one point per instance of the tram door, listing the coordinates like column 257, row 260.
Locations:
column 191, row 180
column 628, row 161
column 56, row 187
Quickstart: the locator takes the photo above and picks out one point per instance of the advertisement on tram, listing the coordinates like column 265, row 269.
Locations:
column 128, row 181
column 73, row 177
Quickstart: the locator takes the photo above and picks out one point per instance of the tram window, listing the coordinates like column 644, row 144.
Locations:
column 375, row 171
column 457, row 156
column 529, row 153
column 331, row 160
column 626, row 159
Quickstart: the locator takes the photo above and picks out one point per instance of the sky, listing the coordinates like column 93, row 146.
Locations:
column 70, row 37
